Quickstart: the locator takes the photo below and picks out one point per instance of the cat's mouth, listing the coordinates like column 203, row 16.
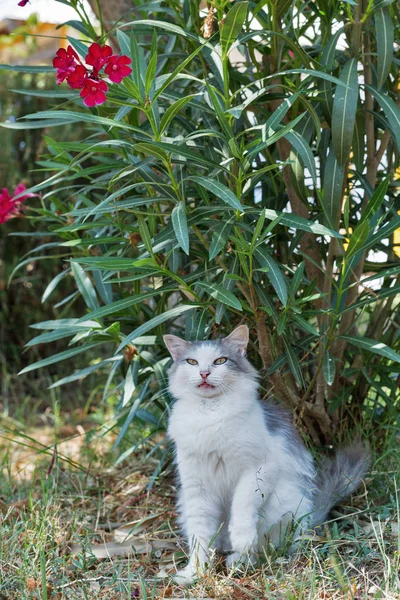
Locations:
column 206, row 385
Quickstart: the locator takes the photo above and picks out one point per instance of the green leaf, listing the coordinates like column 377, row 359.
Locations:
column 344, row 111
column 55, row 358
column 85, row 286
column 293, row 364
column 179, row 223
column 220, row 190
column 273, row 272
column 327, row 59
column 391, row 110
column 79, row 46
column 358, row 238
column 64, row 323
column 145, row 234
column 328, row 368
column 304, row 151
column 221, row 294
column 291, row 220
column 133, row 410
column 173, row 110
column 358, row 142
column 86, row 371
column 373, row 346
column 232, row 26
column 119, row 305
column 57, row 334
column 154, row 322
column 384, row 43
column 219, row 237
column 25, row 69
column 333, row 189
column 375, row 202
column 152, row 66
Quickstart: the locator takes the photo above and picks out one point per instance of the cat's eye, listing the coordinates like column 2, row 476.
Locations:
column 191, row 361
column 220, row 361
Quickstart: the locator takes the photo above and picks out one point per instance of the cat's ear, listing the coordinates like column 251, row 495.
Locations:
column 176, row 345
column 239, row 338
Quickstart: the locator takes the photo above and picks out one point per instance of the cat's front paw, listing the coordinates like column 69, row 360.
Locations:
column 241, row 561
column 186, row 576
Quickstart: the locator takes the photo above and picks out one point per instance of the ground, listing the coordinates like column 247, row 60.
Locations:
column 75, row 525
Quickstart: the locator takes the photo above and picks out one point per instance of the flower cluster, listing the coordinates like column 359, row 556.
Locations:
column 10, row 206
column 87, row 76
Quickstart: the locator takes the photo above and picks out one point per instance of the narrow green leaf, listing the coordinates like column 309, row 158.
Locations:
column 56, row 334
column 25, row 69
column 391, row 110
column 344, row 111
column 154, row 322
column 304, row 151
column 173, row 110
column 64, row 323
column 333, row 189
column 145, row 234
column 358, row 238
column 358, row 142
column 219, row 237
column 375, row 202
column 119, row 305
column 384, row 43
column 152, row 66
column 85, row 286
column 232, row 26
column 327, row 60
column 53, row 284
column 86, row 371
column 293, row 364
column 372, row 346
column 291, row 220
column 328, row 368
column 132, row 412
column 179, row 223
column 273, row 272
column 220, row 190
column 55, row 358
column 221, row 294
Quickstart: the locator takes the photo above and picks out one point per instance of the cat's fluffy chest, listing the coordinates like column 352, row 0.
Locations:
column 218, row 436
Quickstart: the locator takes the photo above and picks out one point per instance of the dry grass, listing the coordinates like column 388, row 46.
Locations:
column 61, row 513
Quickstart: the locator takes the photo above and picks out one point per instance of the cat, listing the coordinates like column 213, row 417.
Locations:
column 244, row 473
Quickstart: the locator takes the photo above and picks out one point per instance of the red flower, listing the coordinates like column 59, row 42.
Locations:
column 65, row 62
column 98, row 56
column 94, row 92
column 117, row 68
column 22, row 3
column 77, row 79
column 9, row 205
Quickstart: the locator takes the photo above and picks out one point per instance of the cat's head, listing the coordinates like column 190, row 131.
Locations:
column 210, row 368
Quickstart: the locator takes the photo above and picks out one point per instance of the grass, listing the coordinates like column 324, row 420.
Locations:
column 59, row 509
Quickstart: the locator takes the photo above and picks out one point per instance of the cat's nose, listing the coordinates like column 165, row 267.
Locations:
column 204, row 374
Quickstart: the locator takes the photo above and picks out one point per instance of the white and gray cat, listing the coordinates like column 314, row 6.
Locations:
column 244, row 473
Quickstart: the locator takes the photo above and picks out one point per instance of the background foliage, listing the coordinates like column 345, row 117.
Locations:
column 245, row 172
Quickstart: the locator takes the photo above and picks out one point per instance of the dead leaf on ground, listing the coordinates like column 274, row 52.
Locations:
column 130, row 547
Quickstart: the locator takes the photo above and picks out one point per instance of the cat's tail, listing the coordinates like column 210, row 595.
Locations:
column 339, row 477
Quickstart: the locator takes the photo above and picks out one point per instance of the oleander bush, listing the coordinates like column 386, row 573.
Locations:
column 242, row 169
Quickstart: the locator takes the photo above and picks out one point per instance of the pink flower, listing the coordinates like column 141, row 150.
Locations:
column 98, row 56
column 117, row 68
column 77, row 79
column 9, row 205
column 94, row 92
column 22, row 3
column 65, row 62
